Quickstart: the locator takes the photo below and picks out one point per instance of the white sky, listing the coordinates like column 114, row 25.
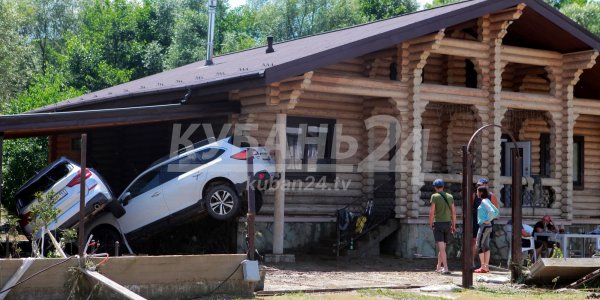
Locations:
column 236, row 3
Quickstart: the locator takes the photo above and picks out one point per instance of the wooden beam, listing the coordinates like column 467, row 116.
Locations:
column 586, row 106
column 28, row 125
column 107, row 282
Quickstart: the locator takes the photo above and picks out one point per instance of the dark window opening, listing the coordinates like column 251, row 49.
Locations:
column 471, row 74
column 393, row 71
column 545, row 167
column 578, row 167
column 310, row 146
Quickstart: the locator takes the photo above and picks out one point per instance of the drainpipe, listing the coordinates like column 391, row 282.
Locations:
column 212, row 7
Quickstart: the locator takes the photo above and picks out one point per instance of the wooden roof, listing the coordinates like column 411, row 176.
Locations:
column 546, row 26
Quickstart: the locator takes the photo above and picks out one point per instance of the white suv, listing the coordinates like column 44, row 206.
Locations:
column 63, row 178
column 209, row 177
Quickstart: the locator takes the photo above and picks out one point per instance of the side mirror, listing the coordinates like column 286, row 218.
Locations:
column 125, row 198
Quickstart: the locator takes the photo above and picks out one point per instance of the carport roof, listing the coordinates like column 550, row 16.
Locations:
column 304, row 54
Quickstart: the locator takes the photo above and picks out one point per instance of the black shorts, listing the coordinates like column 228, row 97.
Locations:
column 441, row 231
column 526, row 243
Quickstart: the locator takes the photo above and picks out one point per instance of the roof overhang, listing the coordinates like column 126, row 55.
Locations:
column 42, row 124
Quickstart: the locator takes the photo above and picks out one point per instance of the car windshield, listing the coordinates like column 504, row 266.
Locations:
column 196, row 145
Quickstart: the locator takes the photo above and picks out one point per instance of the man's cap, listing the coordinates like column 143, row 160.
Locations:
column 482, row 181
column 438, row 183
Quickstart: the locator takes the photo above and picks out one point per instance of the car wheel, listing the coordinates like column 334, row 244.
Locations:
column 106, row 238
column 222, row 202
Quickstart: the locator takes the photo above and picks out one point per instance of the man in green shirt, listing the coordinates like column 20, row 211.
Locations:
column 442, row 220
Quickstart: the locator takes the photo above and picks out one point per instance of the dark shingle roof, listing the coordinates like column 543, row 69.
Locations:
column 298, row 56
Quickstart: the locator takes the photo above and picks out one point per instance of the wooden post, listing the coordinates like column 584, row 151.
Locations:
column 251, row 202
column 82, row 199
column 517, row 258
column 467, row 240
column 279, row 220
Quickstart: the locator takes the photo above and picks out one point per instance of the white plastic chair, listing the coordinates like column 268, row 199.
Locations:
column 508, row 231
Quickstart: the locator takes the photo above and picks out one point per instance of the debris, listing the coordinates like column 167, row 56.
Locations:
column 441, row 288
column 494, row 279
column 586, row 278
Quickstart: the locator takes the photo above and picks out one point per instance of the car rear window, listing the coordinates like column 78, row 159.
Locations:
column 43, row 184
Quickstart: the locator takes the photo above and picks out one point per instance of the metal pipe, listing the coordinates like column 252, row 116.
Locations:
column 467, row 241
column 251, row 202
column 517, row 257
column 212, row 7
column 82, row 199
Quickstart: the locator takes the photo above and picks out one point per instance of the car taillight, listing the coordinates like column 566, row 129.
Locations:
column 77, row 180
column 262, row 176
column 240, row 155
column 25, row 219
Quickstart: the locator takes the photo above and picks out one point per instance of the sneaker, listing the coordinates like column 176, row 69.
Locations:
column 445, row 272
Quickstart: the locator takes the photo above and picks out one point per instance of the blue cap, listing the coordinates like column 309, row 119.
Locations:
column 482, row 181
column 438, row 182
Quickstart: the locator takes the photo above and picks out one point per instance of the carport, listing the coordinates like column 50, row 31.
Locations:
column 82, row 121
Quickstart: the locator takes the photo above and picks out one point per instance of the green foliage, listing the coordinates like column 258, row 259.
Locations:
column 587, row 15
column 436, row 3
column 383, row 9
column 43, row 211
column 16, row 65
column 22, row 158
column 561, row 3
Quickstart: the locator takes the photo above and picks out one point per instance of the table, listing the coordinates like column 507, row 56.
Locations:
column 563, row 238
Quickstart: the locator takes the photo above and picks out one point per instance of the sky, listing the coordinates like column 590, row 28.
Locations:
column 236, row 3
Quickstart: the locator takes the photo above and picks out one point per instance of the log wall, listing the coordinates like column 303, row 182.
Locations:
column 586, row 203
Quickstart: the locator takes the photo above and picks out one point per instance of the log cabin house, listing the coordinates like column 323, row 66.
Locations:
column 437, row 75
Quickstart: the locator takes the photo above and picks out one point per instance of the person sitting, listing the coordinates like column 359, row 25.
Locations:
column 545, row 225
column 526, row 232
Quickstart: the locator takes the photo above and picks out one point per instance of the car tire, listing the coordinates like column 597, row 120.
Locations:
column 258, row 202
column 107, row 236
column 222, row 202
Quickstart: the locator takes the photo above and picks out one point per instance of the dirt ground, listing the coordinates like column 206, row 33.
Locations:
column 321, row 273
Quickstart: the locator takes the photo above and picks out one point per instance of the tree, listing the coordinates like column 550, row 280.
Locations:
column 383, row 9
column 561, row 3
column 587, row 15
column 22, row 158
column 16, row 62
column 47, row 24
column 436, row 3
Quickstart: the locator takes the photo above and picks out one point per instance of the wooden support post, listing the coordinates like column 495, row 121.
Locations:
column 82, row 191
column 279, row 218
column 517, row 257
column 467, row 240
column 251, row 202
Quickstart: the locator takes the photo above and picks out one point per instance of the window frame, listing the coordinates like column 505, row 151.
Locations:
column 304, row 174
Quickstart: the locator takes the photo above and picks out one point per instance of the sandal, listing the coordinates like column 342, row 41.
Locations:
column 481, row 270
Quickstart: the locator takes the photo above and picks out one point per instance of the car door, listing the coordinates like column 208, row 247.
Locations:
column 146, row 205
column 185, row 178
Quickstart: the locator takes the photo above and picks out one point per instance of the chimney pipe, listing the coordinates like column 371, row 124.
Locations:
column 212, row 7
column 270, row 44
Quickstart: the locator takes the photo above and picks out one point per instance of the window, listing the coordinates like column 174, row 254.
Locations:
column 310, row 143
column 145, row 183
column 188, row 162
column 578, row 168
column 545, row 155
column 470, row 74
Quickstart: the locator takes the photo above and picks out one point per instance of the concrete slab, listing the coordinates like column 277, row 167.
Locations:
column 567, row 270
column 153, row 277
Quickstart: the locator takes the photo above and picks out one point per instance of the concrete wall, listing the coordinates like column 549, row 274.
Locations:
column 153, row 277
column 299, row 237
